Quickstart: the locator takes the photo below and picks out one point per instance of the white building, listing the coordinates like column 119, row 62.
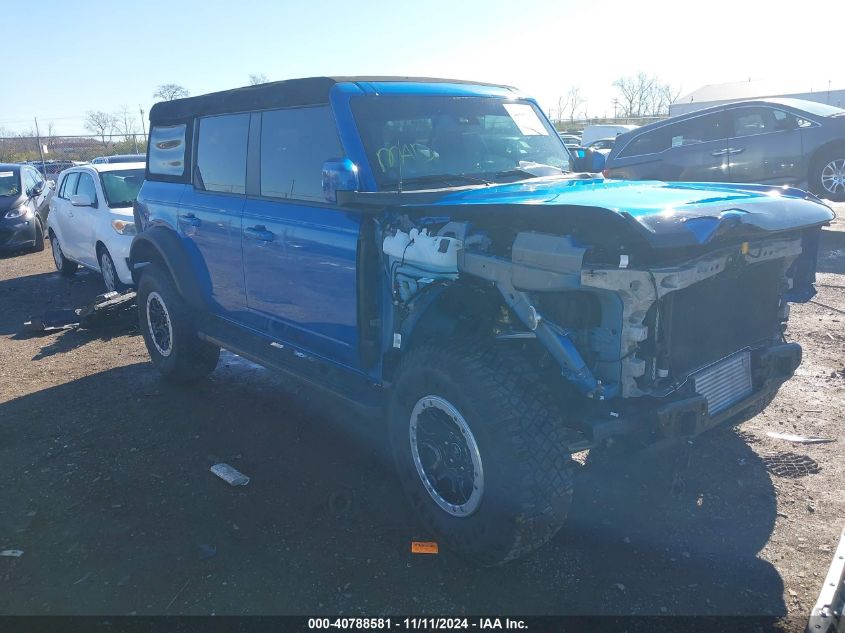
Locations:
column 716, row 94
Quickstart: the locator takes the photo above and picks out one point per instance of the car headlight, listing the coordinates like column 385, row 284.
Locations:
column 123, row 227
column 17, row 212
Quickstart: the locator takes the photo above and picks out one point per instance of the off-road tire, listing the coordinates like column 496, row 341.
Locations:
column 185, row 357
column 38, row 246
column 65, row 267
column 815, row 176
column 528, row 472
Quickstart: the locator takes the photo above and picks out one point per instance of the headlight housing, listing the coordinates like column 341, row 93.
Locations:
column 17, row 212
column 123, row 227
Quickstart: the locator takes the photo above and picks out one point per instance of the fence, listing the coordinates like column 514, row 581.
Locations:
column 579, row 124
column 15, row 149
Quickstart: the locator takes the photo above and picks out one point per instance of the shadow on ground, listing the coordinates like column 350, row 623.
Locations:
column 108, row 492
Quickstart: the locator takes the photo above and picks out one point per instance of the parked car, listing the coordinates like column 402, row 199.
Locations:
column 772, row 141
column 422, row 248
column 119, row 158
column 602, row 145
column 602, row 131
column 570, row 140
column 50, row 169
column 24, row 206
column 91, row 221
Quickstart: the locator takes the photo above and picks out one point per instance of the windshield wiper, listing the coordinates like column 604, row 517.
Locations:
column 447, row 179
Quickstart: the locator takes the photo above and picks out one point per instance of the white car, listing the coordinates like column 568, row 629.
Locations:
column 90, row 222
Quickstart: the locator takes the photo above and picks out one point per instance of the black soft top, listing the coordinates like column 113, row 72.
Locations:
column 276, row 94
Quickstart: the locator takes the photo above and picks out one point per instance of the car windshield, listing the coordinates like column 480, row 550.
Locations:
column 450, row 141
column 121, row 187
column 9, row 183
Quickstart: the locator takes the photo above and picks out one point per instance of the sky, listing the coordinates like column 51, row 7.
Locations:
column 97, row 55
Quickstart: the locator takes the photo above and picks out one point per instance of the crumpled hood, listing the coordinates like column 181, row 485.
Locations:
column 667, row 214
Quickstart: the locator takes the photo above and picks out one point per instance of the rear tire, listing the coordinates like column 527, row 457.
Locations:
column 65, row 267
column 169, row 332
column 480, row 450
column 827, row 177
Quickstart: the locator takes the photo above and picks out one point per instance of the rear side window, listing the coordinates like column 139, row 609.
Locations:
column 69, row 185
column 294, row 145
column 167, row 150
column 649, row 143
column 221, row 153
column 700, row 129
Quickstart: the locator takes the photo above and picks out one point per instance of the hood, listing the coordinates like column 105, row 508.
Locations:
column 665, row 214
column 10, row 202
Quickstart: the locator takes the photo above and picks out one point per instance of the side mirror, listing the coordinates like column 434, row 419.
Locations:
column 81, row 200
column 339, row 174
column 37, row 189
column 588, row 160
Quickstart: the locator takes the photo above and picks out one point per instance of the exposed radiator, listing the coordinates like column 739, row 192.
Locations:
column 726, row 382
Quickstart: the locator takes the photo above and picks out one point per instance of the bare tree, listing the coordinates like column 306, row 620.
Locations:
column 100, row 123
column 256, row 79
column 169, row 92
column 50, row 136
column 125, row 123
column 643, row 95
column 574, row 100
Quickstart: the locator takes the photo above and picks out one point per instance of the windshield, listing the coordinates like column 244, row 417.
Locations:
column 121, row 187
column 449, row 141
column 9, row 183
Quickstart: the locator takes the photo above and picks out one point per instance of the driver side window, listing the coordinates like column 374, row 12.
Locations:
column 86, row 187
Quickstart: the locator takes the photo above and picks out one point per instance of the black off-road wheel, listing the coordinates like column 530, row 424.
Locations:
column 480, row 449
column 167, row 326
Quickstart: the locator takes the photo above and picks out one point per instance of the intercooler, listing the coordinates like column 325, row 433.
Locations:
column 715, row 318
column 725, row 382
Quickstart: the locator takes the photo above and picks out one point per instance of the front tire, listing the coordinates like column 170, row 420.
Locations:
column 169, row 332
column 109, row 272
column 38, row 247
column 480, row 450
column 827, row 178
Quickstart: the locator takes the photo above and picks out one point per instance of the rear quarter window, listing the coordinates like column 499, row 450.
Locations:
column 167, row 150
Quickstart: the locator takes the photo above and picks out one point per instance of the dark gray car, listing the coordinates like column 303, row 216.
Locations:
column 770, row 141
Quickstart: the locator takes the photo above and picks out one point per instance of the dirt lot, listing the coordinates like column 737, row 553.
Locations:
column 106, row 488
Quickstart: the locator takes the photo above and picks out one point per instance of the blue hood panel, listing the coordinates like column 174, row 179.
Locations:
column 666, row 214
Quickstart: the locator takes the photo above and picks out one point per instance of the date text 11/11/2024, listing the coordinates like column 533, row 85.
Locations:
column 429, row 623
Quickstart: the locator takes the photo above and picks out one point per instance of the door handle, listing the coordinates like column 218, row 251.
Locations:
column 191, row 220
column 721, row 152
column 259, row 232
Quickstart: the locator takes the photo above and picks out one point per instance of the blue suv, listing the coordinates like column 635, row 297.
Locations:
column 430, row 249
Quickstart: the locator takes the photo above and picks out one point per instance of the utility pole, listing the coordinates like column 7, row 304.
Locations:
column 143, row 125
column 40, row 148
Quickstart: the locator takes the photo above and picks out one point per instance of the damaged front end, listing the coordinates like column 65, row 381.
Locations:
column 664, row 324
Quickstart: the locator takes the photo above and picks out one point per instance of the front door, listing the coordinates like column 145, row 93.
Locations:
column 300, row 252
column 79, row 242
column 765, row 146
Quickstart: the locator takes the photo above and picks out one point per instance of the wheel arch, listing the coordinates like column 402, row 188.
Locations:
column 163, row 247
column 820, row 151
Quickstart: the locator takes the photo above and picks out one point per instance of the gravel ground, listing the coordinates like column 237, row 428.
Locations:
column 106, row 488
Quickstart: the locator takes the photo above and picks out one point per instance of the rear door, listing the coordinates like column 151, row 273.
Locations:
column 698, row 149
column 61, row 209
column 300, row 252
column 765, row 146
column 210, row 210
